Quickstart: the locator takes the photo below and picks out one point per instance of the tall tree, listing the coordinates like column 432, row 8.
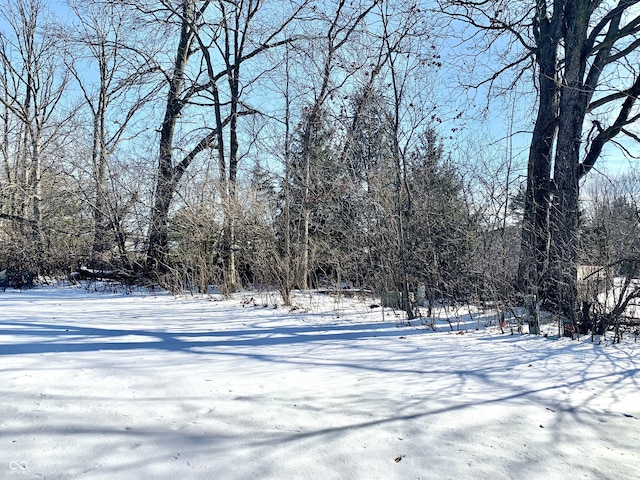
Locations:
column 170, row 171
column 241, row 36
column 585, row 54
column 405, row 56
column 214, row 41
column 31, row 88
column 101, row 42
column 546, row 31
column 599, row 38
column 341, row 25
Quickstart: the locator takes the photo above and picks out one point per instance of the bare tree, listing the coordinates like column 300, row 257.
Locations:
column 215, row 40
column 341, row 24
column 596, row 40
column 102, row 40
column 238, row 40
column 575, row 48
column 31, row 88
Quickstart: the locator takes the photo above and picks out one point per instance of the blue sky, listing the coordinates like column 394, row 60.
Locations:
column 508, row 113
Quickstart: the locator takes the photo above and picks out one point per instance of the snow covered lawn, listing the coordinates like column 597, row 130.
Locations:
column 114, row 386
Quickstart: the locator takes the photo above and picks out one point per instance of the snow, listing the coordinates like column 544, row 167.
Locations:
column 150, row 386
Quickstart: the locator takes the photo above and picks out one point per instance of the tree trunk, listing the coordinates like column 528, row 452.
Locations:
column 535, row 225
column 102, row 239
column 231, row 282
column 303, row 271
column 563, row 252
column 166, row 181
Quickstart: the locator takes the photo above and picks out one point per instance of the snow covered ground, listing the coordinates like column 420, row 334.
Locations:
column 115, row 386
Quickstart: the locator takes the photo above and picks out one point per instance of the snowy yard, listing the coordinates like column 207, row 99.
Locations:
column 114, row 386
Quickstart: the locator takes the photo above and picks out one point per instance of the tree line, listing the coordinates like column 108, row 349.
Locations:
column 299, row 144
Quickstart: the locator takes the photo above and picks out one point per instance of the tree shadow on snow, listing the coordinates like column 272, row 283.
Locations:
column 55, row 338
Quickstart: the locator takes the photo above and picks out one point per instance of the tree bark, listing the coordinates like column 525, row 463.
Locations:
column 562, row 290
column 535, row 227
column 167, row 176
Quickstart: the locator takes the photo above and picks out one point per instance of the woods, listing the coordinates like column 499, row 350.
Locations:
column 293, row 144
